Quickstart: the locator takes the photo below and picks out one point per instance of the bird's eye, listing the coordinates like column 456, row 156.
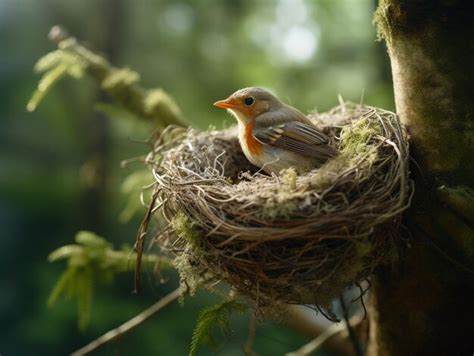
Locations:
column 248, row 101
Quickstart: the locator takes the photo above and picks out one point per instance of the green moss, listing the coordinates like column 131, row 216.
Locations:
column 190, row 269
column 183, row 227
column 120, row 77
column 356, row 149
column 381, row 22
column 157, row 103
column 289, row 177
column 355, row 139
column 188, row 262
column 122, row 84
column 282, row 200
column 280, row 205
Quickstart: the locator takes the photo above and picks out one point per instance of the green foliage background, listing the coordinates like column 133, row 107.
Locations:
column 51, row 161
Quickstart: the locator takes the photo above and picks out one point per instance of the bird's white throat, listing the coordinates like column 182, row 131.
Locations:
column 240, row 116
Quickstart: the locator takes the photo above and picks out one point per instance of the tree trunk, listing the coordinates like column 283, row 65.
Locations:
column 425, row 305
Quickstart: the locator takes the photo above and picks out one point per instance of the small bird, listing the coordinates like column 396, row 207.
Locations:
column 276, row 136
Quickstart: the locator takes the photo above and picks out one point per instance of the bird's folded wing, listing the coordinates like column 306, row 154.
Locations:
column 296, row 137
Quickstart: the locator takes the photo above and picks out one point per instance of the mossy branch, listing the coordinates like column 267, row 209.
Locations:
column 122, row 84
column 91, row 260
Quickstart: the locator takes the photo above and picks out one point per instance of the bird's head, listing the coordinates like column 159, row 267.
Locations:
column 246, row 104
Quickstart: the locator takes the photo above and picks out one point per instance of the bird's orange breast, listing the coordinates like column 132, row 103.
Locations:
column 254, row 147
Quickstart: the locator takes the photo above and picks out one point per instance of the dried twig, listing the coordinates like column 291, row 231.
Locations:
column 139, row 244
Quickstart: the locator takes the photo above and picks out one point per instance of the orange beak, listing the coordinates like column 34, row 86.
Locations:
column 226, row 104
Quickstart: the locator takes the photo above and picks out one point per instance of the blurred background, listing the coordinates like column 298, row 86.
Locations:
column 60, row 166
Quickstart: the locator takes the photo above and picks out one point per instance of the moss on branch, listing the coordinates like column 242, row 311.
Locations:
column 122, row 84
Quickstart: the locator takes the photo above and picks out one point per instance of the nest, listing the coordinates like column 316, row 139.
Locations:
column 286, row 238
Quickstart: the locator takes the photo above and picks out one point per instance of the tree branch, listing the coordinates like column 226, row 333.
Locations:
column 120, row 83
column 129, row 325
column 326, row 335
column 333, row 337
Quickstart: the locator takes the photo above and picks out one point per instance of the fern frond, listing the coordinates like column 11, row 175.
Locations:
column 210, row 317
column 90, row 261
column 47, row 81
column 64, row 252
column 84, row 297
column 62, row 286
column 55, row 65
column 91, row 239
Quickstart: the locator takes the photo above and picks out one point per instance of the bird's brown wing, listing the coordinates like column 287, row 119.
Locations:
column 296, row 137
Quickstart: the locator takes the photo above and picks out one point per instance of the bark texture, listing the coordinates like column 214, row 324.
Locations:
column 425, row 305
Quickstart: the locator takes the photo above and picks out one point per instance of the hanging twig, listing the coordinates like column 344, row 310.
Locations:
column 140, row 242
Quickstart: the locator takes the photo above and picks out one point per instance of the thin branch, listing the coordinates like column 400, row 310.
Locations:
column 129, row 325
column 329, row 333
column 354, row 340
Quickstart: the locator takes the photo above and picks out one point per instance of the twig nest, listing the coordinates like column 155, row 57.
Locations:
column 288, row 238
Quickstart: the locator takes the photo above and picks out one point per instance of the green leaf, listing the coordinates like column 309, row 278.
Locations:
column 120, row 77
column 161, row 106
column 49, row 61
column 92, row 260
column 55, row 65
column 76, row 70
column 84, row 297
column 64, row 252
column 63, row 286
column 210, row 317
column 46, row 83
column 78, row 283
column 90, row 239
column 57, row 57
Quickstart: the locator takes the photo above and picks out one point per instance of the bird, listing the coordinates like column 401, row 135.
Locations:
column 276, row 136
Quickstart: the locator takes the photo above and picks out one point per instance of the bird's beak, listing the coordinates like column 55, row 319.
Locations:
column 226, row 104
